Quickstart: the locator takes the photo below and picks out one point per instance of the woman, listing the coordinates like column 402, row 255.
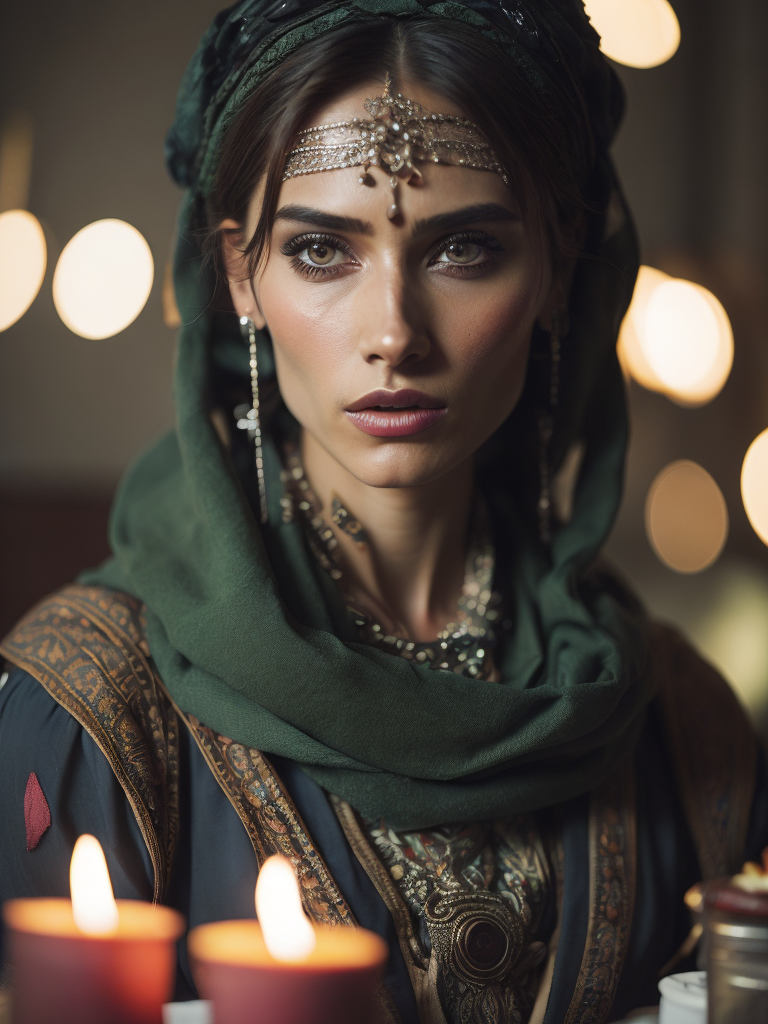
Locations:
column 349, row 623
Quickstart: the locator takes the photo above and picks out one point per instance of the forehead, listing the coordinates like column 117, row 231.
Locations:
column 351, row 103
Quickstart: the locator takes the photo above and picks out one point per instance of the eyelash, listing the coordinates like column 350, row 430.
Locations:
column 491, row 245
column 295, row 246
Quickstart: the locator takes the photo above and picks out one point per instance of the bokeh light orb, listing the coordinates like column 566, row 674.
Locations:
column 687, row 340
column 103, row 279
column 631, row 349
column 638, row 33
column 686, row 517
column 754, row 485
column 676, row 339
column 23, row 259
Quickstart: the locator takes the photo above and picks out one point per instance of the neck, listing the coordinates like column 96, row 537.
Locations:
column 410, row 570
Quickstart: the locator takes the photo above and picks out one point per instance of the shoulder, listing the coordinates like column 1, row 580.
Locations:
column 713, row 749
column 51, row 637
column 85, row 648
column 57, row 785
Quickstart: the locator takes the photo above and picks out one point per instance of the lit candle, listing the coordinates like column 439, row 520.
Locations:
column 292, row 971
column 94, row 959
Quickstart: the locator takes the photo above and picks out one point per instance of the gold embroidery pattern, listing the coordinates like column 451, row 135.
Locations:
column 479, row 889
column 86, row 646
column 612, row 852
column 714, row 751
column 271, row 820
column 468, row 900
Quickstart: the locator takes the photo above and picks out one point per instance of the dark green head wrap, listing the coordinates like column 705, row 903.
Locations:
column 253, row 639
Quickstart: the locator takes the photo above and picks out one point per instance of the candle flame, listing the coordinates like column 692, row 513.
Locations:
column 93, row 904
column 288, row 935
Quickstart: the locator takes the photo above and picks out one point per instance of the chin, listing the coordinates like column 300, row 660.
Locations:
column 400, row 465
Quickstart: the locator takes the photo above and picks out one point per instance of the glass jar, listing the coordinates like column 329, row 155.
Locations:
column 736, row 928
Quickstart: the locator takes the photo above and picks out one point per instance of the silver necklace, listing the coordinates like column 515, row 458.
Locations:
column 465, row 646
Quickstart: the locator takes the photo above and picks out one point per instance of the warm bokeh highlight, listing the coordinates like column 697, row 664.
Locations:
column 754, row 485
column 103, row 279
column 686, row 517
column 638, row 33
column 23, row 258
column 676, row 339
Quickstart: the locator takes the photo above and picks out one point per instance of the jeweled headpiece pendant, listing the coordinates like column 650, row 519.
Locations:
column 398, row 133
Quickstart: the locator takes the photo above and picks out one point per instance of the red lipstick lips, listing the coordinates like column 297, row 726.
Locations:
column 395, row 413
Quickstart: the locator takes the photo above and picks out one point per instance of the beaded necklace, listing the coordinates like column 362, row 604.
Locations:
column 466, row 645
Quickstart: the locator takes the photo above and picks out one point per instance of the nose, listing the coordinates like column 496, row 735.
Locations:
column 394, row 328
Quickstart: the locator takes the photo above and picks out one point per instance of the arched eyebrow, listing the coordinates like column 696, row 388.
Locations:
column 479, row 212
column 320, row 219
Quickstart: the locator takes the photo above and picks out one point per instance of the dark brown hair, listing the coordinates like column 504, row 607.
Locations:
column 540, row 136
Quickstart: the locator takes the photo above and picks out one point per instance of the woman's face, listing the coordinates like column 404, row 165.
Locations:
column 400, row 345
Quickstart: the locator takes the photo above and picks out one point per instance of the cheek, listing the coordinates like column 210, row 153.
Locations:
column 310, row 343
column 491, row 335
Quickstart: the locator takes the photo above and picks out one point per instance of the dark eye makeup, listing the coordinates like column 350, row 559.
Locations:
column 462, row 250
column 319, row 246
column 466, row 253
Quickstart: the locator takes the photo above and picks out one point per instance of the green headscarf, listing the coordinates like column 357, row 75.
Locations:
column 252, row 638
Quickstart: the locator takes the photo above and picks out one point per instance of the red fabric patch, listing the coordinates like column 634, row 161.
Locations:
column 37, row 814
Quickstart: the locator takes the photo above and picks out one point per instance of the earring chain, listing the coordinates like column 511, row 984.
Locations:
column 253, row 418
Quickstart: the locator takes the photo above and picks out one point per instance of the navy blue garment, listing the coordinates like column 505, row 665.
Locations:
column 214, row 874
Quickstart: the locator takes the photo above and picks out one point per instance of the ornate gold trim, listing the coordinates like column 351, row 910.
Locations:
column 424, row 986
column 271, row 820
column 612, row 870
column 449, row 982
column 378, row 874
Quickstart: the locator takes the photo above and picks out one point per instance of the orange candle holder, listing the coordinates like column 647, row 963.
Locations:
column 61, row 974
column 334, row 984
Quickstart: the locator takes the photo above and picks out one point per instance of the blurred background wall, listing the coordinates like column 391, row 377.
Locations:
column 98, row 83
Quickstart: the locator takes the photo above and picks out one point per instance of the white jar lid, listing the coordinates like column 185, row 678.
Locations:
column 686, row 989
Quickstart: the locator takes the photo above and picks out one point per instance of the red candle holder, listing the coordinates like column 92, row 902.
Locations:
column 62, row 975
column 334, row 984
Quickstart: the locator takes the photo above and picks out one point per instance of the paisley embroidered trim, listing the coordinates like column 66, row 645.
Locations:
column 271, row 820
column 716, row 779
column 612, row 867
column 86, row 647
column 382, row 879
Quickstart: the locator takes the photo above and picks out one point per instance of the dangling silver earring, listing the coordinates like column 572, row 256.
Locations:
column 251, row 421
column 546, row 430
